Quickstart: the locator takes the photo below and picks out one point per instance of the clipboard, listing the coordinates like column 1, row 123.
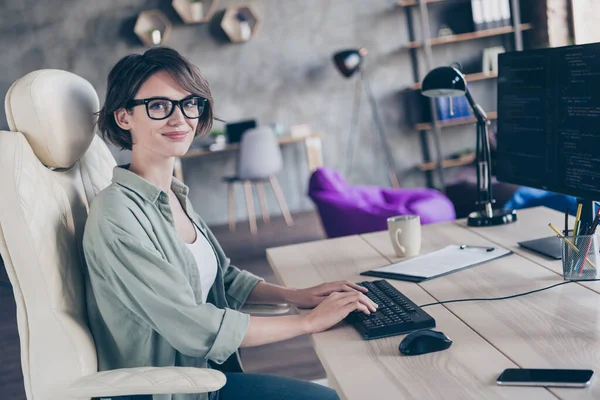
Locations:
column 438, row 263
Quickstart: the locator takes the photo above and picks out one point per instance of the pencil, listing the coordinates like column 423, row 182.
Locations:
column 577, row 220
column 567, row 241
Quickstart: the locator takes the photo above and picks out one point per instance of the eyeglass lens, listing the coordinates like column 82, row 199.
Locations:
column 161, row 108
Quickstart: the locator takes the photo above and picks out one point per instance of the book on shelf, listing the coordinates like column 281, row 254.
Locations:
column 449, row 108
column 490, row 14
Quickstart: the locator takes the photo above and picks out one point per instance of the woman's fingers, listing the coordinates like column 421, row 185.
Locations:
column 356, row 287
column 365, row 303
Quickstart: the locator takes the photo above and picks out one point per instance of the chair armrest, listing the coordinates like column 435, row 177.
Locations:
column 265, row 309
column 146, row 380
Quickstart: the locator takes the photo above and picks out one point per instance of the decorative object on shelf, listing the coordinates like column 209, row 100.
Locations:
column 195, row 11
column 152, row 27
column 348, row 62
column 448, row 81
column 239, row 23
column 490, row 59
column 445, row 31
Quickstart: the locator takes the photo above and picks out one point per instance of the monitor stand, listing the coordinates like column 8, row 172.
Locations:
column 551, row 246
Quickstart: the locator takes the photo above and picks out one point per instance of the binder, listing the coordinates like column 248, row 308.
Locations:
column 505, row 9
column 438, row 263
column 488, row 14
column 477, row 12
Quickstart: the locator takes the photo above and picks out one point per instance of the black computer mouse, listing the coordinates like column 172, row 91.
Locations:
column 424, row 341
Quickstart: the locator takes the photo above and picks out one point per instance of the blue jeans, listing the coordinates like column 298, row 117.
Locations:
column 263, row 387
column 271, row 387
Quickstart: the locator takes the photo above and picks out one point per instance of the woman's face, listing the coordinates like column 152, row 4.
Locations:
column 170, row 137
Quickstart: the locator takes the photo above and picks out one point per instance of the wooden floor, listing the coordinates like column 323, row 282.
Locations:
column 292, row 358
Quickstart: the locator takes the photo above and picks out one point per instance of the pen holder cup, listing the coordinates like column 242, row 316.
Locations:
column 580, row 257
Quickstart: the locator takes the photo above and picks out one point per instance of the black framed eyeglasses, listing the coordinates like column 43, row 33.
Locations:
column 161, row 107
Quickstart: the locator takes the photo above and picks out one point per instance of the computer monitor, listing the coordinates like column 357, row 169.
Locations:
column 549, row 122
column 235, row 130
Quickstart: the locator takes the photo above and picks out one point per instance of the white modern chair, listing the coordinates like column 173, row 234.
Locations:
column 51, row 166
column 259, row 160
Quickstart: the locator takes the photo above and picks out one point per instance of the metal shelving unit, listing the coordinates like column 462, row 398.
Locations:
column 425, row 44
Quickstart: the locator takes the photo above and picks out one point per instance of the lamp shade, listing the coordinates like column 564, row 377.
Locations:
column 444, row 82
column 349, row 61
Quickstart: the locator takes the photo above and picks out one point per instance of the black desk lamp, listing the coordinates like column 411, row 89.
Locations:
column 450, row 82
column 348, row 62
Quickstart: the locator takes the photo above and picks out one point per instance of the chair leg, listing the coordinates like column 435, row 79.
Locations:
column 250, row 206
column 262, row 199
column 231, row 197
column 282, row 204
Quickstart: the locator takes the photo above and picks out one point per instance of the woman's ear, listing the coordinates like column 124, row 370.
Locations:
column 122, row 118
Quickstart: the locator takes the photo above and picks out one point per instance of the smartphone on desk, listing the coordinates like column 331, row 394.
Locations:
column 576, row 378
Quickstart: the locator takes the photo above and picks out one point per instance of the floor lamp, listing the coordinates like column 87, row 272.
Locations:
column 450, row 82
column 348, row 62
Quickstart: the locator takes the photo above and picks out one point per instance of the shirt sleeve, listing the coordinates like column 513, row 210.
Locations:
column 238, row 285
column 161, row 296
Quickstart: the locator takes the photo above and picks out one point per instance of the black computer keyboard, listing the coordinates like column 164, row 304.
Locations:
column 396, row 314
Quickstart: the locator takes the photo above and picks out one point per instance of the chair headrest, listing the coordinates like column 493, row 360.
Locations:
column 54, row 110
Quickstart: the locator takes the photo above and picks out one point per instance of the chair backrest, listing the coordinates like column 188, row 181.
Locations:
column 260, row 155
column 51, row 165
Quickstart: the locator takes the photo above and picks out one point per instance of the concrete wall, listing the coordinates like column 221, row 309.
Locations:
column 285, row 75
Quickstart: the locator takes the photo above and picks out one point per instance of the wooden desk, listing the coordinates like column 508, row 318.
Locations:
column 557, row 328
column 312, row 144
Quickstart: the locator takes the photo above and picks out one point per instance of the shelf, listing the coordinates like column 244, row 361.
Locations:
column 152, row 27
column 425, row 126
column 461, row 37
column 452, row 162
column 239, row 23
column 411, row 3
column 470, row 78
column 194, row 12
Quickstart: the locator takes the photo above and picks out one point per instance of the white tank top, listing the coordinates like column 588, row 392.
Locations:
column 206, row 260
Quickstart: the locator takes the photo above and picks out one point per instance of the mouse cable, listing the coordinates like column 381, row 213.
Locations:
column 506, row 297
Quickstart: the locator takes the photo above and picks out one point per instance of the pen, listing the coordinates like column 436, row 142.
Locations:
column 566, row 222
column 488, row 249
column 592, row 229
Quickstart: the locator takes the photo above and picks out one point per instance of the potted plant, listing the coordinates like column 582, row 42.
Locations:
column 196, row 10
column 218, row 136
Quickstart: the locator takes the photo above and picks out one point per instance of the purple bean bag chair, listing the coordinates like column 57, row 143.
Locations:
column 350, row 210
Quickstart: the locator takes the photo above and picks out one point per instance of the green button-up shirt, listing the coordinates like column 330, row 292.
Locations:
column 143, row 287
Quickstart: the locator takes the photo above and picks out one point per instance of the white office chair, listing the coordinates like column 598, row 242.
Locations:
column 51, row 166
column 259, row 160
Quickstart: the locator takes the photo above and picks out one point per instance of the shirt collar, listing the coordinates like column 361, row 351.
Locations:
column 124, row 177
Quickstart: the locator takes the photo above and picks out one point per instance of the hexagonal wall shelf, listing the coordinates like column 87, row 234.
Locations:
column 195, row 11
column 239, row 23
column 152, row 27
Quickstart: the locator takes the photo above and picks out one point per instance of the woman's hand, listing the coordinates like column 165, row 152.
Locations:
column 313, row 296
column 335, row 308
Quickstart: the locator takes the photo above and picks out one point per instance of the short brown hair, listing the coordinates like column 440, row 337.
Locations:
column 130, row 73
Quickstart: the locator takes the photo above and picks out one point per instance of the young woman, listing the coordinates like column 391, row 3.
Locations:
column 161, row 292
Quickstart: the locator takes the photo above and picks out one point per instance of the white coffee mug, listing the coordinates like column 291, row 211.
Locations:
column 405, row 234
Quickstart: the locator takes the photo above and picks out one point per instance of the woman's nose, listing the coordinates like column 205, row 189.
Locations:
column 177, row 116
